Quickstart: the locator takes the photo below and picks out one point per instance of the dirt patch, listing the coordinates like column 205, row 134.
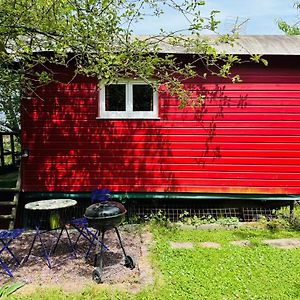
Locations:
column 283, row 243
column 72, row 271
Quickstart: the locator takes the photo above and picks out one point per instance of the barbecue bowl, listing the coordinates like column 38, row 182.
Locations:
column 105, row 215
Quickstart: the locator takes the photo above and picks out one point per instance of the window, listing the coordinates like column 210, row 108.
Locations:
column 128, row 100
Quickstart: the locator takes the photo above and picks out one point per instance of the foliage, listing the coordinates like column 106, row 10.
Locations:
column 295, row 223
column 293, row 29
column 275, row 223
column 95, row 38
column 9, row 99
column 185, row 218
column 9, row 289
column 158, row 219
column 287, row 221
column 280, row 220
column 229, row 221
column 8, row 147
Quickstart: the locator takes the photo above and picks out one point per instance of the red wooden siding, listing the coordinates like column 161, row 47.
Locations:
column 244, row 140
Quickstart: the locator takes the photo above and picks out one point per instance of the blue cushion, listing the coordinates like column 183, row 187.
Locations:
column 99, row 195
column 11, row 234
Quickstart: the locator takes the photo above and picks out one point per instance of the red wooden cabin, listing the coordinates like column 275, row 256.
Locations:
column 244, row 140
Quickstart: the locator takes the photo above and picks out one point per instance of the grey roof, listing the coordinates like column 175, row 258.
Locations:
column 244, row 44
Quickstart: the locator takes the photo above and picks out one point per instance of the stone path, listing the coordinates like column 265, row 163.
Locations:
column 291, row 243
column 210, row 245
column 241, row 243
column 176, row 245
column 284, row 243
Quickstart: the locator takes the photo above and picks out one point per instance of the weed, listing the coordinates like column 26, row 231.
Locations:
column 159, row 218
column 8, row 289
column 283, row 220
column 229, row 221
column 185, row 218
column 295, row 223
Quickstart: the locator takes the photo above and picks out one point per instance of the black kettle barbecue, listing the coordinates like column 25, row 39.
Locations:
column 104, row 216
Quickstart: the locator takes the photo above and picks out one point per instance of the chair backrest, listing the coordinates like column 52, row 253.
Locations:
column 99, row 195
column 10, row 233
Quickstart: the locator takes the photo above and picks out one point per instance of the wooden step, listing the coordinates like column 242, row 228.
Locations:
column 9, row 206
column 12, row 190
column 7, row 217
column 7, row 203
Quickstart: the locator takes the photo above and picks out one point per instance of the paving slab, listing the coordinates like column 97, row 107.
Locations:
column 241, row 243
column 183, row 245
column 210, row 245
column 284, row 243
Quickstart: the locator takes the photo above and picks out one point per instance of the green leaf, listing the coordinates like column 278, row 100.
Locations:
column 264, row 61
column 7, row 290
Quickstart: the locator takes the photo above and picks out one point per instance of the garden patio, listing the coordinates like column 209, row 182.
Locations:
column 210, row 261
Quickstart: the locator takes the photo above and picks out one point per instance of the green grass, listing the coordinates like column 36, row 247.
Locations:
column 231, row 272
column 256, row 272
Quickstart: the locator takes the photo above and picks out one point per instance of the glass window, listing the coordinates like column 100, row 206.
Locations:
column 128, row 100
column 115, row 97
column 142, row 96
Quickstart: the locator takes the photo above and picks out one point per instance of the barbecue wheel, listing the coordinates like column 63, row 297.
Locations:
column 96, row 275
column 129, row 262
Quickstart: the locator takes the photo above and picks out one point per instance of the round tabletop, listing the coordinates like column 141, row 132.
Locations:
column 50, row 204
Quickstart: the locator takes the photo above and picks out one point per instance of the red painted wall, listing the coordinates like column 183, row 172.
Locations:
column 246, row 139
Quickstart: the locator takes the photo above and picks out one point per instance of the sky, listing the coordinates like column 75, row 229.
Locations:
column 262, row 15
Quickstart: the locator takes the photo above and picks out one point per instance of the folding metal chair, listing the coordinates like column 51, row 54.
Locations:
column 6, row 237
column 81, row 224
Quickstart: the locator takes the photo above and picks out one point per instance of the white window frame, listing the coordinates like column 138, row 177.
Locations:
column 129, row 113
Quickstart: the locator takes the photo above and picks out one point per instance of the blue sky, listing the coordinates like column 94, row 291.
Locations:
column 262, row 15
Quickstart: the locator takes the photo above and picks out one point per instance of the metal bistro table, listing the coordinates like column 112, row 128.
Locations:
column 51, row 211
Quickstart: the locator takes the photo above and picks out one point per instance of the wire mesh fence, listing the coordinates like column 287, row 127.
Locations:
column 174, row 211
column 174, row 214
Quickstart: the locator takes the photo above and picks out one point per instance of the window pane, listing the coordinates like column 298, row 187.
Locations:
column 115, row 97
column 142, row 97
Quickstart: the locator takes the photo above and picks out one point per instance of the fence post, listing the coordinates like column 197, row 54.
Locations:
column 292, row 206
column 12, row 148
column 1, row 150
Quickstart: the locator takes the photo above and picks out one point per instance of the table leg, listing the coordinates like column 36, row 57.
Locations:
column 59, row 236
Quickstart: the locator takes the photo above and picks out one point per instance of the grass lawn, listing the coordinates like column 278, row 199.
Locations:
column 231, row 272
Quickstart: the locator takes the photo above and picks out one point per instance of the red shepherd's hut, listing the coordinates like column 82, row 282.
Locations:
column 245, row 140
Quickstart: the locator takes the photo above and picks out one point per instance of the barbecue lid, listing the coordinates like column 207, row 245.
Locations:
column 104, row 210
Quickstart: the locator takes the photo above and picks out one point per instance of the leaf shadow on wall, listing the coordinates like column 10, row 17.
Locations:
column 211, row 124
column 73, row 151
